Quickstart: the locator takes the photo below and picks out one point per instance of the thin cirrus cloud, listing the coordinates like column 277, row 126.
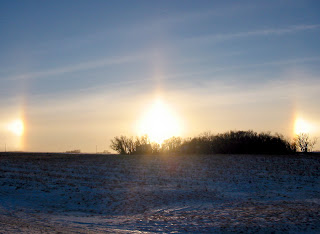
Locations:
column 78, row 67
column 215, row 69
column 139, row 27
column 270, row 63
column 177, row 80
column 164, row 20
column 126, row 59
column 259, row 32
column 186, row 17
column 180, row 76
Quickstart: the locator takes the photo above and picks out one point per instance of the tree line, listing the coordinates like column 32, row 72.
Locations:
column 232, row 142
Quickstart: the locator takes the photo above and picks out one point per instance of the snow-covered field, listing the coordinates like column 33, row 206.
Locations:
column 124, row 194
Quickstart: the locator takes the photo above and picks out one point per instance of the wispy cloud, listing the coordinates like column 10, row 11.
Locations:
column 142, row 82
column 270, row 63
column 165, row 19
column 213, row 70
column 176, row 18
column 77, row 67
column 259, row 32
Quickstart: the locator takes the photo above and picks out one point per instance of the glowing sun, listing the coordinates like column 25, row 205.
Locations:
column 16, row 127
column 159, row 123
column 301, row 126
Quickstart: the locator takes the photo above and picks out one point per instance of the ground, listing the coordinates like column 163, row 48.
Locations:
column 145, row 194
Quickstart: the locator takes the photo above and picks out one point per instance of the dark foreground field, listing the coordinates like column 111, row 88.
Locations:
column 124, row 194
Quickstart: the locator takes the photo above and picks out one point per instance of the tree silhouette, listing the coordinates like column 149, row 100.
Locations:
column 232, row 142
column 123, row 145
column 155, row 148
column 172, row 145
column 129, row 145
column 304, row 142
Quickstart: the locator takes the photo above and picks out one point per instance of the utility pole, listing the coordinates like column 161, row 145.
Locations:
column 96, row 149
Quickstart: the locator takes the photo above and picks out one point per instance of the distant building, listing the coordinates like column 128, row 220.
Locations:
column 77, row 151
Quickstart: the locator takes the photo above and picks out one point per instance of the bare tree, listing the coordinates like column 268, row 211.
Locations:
column 172, row 145
column 123, row 145
column 142, row 145
column 304, row 142
column 155, row 148
column 143, row 140
column 129, row 145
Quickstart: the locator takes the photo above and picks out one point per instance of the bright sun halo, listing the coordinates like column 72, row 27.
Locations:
column 16, row 127
column 159, row 123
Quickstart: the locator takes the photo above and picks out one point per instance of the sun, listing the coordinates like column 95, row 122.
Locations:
column 159, row 123
column 301, row 126
column 16, row 127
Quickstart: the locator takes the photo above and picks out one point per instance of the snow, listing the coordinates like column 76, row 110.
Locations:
column 142, row 194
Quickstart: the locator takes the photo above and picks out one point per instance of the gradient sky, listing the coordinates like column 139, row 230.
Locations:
column 78, row 73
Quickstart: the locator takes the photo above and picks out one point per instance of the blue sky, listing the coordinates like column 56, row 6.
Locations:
column 80, row 72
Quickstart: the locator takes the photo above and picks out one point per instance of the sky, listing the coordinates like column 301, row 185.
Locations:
column 74, row 74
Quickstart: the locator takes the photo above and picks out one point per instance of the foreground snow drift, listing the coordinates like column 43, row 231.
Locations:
column 88, row 193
